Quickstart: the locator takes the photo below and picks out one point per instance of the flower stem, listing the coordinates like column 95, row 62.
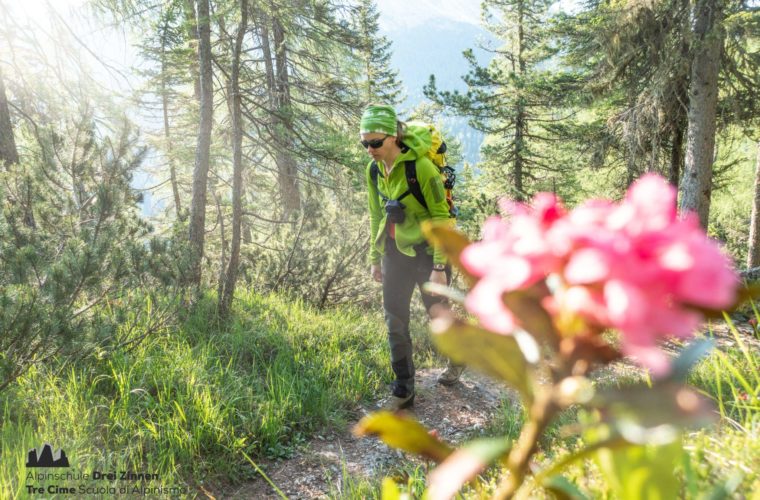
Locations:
column 541, row 413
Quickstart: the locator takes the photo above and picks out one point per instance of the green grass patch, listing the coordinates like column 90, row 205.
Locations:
column 189, row 400
column 720, row 461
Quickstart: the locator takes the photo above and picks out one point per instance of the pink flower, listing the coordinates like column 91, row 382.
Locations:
column 633, row 266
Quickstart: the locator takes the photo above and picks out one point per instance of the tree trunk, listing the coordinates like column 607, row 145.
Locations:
column 369, row 70
column 286, row 165
column 753, row 255
column 679, row 121
column 167, row 134
column 202, row 151
column 279, row 103
column 8, row 151
column 225, row 300
column 517, row 164
column 696, row 185
column 676, row 153
column 520, row 118
column 246, row 231
column 9, row 156
column 223, row 248
column 191, row 24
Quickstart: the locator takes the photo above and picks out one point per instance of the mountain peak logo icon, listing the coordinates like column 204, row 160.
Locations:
column 46, row 458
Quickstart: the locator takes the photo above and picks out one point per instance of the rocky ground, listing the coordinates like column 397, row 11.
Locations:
column 455, row 412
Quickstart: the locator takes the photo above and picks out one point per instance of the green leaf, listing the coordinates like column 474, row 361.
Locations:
column 531, row 316
column 562, row 463
column 495, row 355
column 688, row 357
column 563, row 489
column 463, row 465
column 644, row 415
column 743, row 294
column 726, row 488
column 451, row 242
column 636, row 472
column 390, row 490
column 404, row 433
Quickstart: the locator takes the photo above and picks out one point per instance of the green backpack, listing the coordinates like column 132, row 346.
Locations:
column 437, row 154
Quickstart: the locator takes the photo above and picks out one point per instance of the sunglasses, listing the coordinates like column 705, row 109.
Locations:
column 374, row 143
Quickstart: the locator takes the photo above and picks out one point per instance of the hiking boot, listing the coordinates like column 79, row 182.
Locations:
column 400, row 399
column 451, row 374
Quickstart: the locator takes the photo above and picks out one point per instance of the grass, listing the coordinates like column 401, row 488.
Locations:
column 196, row 400
column 720, row 461
column 730, row 452
column 188, row 402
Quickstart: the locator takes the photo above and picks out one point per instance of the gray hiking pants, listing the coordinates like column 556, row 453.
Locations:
column 401, row 274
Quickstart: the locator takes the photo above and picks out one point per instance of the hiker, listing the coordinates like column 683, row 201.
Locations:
column 400, row 256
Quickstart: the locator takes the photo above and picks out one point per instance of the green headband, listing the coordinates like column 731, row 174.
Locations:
column 378, row 119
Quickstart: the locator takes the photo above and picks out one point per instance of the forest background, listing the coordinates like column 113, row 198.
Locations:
column 208, row 202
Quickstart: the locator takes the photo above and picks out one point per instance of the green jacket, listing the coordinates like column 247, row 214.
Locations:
column 409, row 233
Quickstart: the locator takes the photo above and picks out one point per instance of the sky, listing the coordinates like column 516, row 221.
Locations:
column 105, row 52
column 109, row 59
column 404, row 14
column 114, row 48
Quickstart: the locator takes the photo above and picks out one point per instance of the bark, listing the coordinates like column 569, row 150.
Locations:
column 631, row 140
column 517, row 166
column 202, row 151
column 237, row 167
column 679, row 121
column 191, row 24
column 753, row 255
column 275, row 65
column 8, row 151
column 223, row 252
column 247, row 233
column 696, row 186
column 9, row 156
column 676, row 154
column 369, row 70
column 751, row 274
column 167, row 130
column 286, row 165
column 520, row 118
column 268, row 66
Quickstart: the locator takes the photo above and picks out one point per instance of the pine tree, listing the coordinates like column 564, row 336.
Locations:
column 632, row 61
column 753, row 252
column 77, row 185
column 164, row 41
column 512, row 99
column 8, row 151
column 231, row 273
column 635, row 62
column 380, row 81
column 202, row 154
column 304, row 65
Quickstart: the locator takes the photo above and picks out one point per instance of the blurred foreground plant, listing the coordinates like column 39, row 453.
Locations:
column 546, row 284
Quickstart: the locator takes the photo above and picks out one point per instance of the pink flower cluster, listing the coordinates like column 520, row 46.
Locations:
column 633, row 266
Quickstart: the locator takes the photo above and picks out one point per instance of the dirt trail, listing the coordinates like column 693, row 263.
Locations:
column 455, row 412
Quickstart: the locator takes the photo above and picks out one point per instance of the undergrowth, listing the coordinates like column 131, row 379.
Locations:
column 721, row 461
column 188, row 401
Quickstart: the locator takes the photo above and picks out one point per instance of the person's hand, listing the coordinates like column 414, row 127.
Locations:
column 376, row 272
column 438, row 277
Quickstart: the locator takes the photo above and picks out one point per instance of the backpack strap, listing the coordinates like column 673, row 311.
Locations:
column 411, row 179
column 374, row 171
